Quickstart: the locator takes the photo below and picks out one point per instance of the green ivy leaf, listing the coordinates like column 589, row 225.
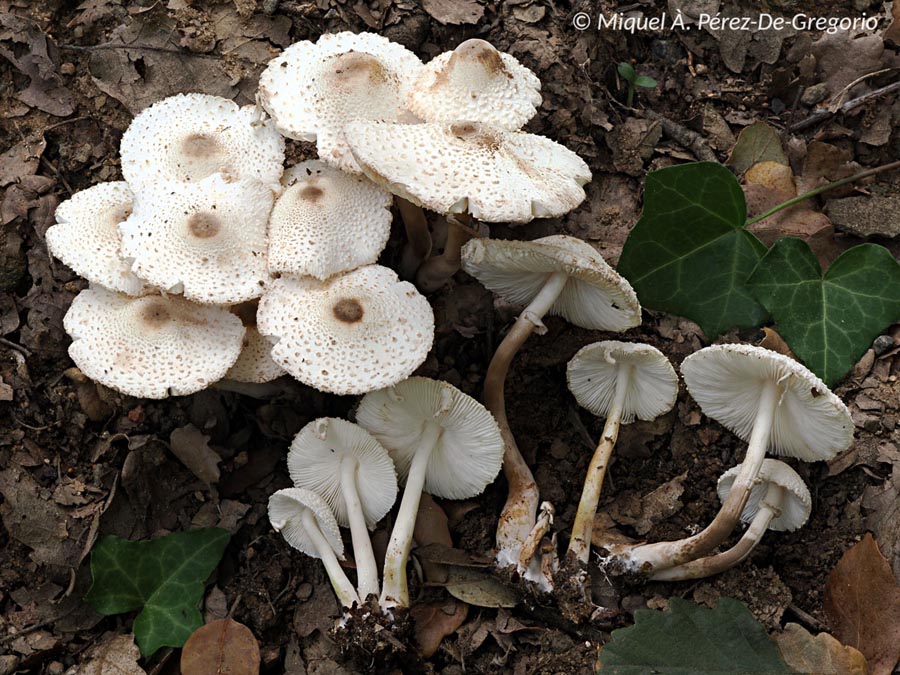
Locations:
column 644, row 81
column 692, row 640
column 626, row 70
column 828, row 320
column 163, row 577
column 689, row 253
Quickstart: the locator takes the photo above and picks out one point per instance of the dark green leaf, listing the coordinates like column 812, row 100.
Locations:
column 626, row 70
column 689, row 253
column 757, row 143
column 164, row 578
column 828, row 320
column 692, row 640
column 644, row 81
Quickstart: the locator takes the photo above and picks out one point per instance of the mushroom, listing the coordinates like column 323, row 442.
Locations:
column 353, row 473
column 779, row 501
column 478, row 83
column 190, row 137
column 321, row 211
column 151, row 346
column 255, row 364
column 313, row 90
column 86, row 236
column 557, row 275
column 307, row 524
column 772, row 402
column 620, row 381
column 442, row 441
column 354, row 333
column 206, row 240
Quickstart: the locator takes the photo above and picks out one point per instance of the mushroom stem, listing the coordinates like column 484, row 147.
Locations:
column 418, row 238
column 344, row 590
column 518, row 516
column 437, row 270
column 366, row 569
column 580, row 543
column 541, row 527
column 394, row 592
column 662, row 555
column 705, row 567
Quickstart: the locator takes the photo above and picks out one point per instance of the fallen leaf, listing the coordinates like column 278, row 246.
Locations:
column 774, row 342
column 192, row 447
column 435, row 621
column 115, row 655
column 882, row 502
column 223, row 647
column 820, row 654
column 892, row 32
column 826, row 163
column 479, row 588
column 431, row 528
column 756, row 143
column 645, row 511
column 773, row 175
column 20, row 160
column 862, row 602
column 834, row 67
column 454, row 12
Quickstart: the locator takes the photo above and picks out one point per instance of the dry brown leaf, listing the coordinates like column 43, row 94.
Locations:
column 192, row 447
column 479, row 588
column 116, row 655
column 773, row 175
column 431, row 528
column 645, row 511
column 435, row 621
column 862, row 602
column 756, row 143
column 774, row 342
column 825, row 163
column 223, row 647
column 454, row 12
column 820, row 654
column 892, row 33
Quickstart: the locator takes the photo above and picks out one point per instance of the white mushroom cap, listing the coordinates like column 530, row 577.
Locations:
column 255, row 363
column 312, row 90
column 191, row 136
column 327, row 221
column 358, row 331
column 496, row 175
column 476, row 82
column 314, row 462
column 810, row 422
column 151, row 346
column 652, row 388
column 595, row 297
column 796, row 504
column 286, row 508
column 468, row 453
column 206, row 240
column 86, row 236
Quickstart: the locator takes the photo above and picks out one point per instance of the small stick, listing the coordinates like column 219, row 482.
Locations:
column 822, row 114
column 684, row 136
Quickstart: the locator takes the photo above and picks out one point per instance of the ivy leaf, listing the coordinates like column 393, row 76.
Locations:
column 830, row 319
column 163, row 577
column 689, row 253
column 692, row 640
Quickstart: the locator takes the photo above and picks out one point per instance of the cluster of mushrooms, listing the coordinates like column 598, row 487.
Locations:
column 211, row 263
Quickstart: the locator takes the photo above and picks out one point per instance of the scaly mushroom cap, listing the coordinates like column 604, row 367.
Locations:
column 255, row 363
column 188, row 137
column 810, row 422
column 796, row 504
column 86, row 236
column 206, row 240
column 496, row 175
column 312, row 90
column 314, row 462
column 326, row 222
column 286, row 508
column 351, row 334
column 478, row 83
column 469, row 451
column 652, row 389
column 595, row 297
column 151, row 346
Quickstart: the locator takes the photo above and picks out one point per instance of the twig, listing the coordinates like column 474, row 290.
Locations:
column 684, row 136
column 822, row 114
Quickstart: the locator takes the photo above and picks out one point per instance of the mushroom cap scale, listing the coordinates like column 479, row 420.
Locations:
column 86, row 236
column 286, row 508
column 319, row 212
column 796, row 504
column 151, row 346
column 653, row 387
column 312, row 90
column 595, row 297
column 469, row 451
column 206, row 240
column 810, row 422
column 188, row 137
column 314, row 462
column 356, row 332
column 493, row 174
column 476, row 82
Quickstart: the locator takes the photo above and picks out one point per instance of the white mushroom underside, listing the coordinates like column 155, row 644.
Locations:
column 795, row 507
column 286, row 508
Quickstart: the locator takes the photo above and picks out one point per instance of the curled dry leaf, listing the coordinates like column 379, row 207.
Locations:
column 192, row 447
column 862, row 601
column 774, row 342
column 223, row 647
column 115, row 655
column 820, row 654
column 435, row 621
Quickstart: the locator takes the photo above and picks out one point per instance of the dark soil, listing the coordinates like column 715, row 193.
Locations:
column 79, row 461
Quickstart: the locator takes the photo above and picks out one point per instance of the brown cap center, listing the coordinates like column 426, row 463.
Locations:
column 358, row 67
column 311, row 193
column 204, row 225
column 155, row 314
column 348, row 310
column 201, row 146
column 476, row 134
column 479, row 51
